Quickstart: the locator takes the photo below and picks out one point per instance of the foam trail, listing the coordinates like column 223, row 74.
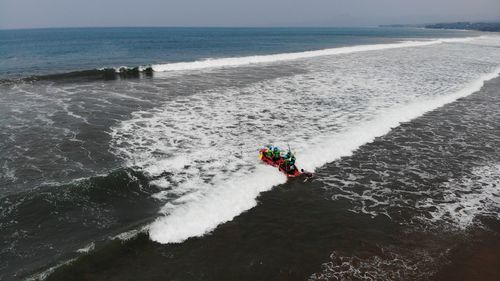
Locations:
column 344, row 143
column 231, row 197
column 240, row 61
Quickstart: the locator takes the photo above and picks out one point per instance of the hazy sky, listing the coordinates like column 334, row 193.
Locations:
column 70, row 13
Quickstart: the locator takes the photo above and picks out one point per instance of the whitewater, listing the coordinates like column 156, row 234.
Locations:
column 201, row 147
column 240, row 61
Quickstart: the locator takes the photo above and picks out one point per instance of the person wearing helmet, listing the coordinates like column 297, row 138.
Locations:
column 276, row 153
column 268, row 152
column 289, row 161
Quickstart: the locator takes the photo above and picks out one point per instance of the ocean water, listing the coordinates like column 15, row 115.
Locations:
column 59, row 51
column 147, row 139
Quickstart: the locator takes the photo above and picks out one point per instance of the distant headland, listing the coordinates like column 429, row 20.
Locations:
column 480, row 26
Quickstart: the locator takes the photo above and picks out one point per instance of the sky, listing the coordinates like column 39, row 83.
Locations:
column 89, row 13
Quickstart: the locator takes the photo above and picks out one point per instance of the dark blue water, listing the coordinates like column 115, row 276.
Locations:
column 49, row 51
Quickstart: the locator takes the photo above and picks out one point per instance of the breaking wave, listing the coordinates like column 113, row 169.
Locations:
column 125, row 72
column 240, row 61
column 88, row 75
column 234, row 196
column 202, row 148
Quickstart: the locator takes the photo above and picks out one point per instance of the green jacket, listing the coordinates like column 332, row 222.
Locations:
column 276, row 154
column 268, row 153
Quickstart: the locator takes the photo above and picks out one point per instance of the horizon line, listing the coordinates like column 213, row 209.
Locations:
column 250, row 26
column 194, row 26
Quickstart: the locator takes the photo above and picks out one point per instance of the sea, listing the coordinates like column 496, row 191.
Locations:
column 132, row 154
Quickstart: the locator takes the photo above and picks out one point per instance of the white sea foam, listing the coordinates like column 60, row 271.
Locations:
column 130, row 234
column 228, row 199
column 239, row 61
column 391, row 266
column 466, row 198
column 87, row 248
column 345, row 142
column 208, row 141
column 46, row 273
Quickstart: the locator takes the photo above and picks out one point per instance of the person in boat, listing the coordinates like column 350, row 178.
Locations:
column 268, row 152
column 289, row 162
column 276, row 154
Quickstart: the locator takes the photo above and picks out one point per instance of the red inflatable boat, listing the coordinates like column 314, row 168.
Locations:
column 280, row 164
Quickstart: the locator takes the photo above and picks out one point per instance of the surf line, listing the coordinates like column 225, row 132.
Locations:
column 248, row 60
column 234, row 196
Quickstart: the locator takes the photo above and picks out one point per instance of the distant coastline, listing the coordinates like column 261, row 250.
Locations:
column 479, row 26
